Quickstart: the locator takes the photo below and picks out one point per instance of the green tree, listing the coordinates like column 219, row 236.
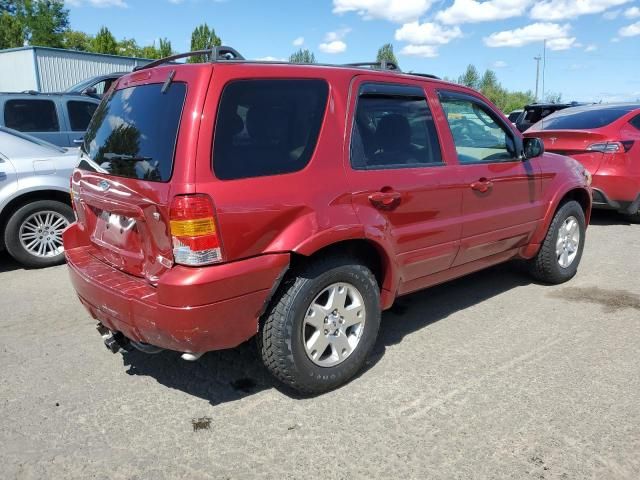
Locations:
column 12, row 32
column 385, row 54
column 128, row 47
column 553, row 97
column 203, row 38
column 302, row 56
column 470, row 77
column 164, row 48
column 150, row 51
column 489, row 81
column 37, row 22
column 76, row 40
column 104, row 42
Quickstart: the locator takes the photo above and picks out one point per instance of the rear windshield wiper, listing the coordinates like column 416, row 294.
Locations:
column 124, row 156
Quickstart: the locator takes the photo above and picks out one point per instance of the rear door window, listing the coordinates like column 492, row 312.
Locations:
column 267, row 127
column 80, row 114
column 27, row 115
column 393, row 128
column 133, row 134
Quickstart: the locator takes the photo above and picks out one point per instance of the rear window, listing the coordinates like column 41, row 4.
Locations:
column 133, row 133
column 31, row 115
column 267, row 127
column 582, row 119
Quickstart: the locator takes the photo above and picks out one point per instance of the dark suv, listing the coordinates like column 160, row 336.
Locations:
column 58, row 118
column 226, row 200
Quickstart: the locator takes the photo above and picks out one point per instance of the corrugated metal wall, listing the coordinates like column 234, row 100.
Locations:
column 60, row 69
column 17, row 71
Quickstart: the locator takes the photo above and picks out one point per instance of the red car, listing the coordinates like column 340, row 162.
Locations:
column 606, row 140
column 224, row 200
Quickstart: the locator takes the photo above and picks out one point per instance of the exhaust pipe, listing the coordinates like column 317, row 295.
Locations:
column 116, row 342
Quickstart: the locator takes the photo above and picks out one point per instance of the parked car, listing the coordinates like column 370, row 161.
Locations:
column 95, row 86
column 296, row 202
column 537, row 111
column 58, row 118
column 514, row 115
column 35, row 206
column 606, row 140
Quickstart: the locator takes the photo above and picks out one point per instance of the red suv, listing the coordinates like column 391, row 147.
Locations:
column 606, row 140
column 220, row 201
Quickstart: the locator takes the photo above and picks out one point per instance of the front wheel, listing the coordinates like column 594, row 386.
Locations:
column 561, row 251
column 33, row 235
column 322, row 326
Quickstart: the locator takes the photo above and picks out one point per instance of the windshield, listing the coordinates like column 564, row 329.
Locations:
column 133, row 133
column 570, row 119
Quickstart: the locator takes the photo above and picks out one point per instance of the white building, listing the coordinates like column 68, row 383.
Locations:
column 45, row 69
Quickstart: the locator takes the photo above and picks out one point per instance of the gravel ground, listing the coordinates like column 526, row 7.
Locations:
column 490, row 376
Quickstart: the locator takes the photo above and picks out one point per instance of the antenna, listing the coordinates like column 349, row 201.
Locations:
column 537, row 59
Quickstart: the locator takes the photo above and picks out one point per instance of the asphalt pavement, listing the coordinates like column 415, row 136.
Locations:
column 490, row 376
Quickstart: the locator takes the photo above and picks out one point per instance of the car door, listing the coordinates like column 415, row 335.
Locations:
column 403, row 190
column 501, row 201
column 36, row 116
column 79, row 113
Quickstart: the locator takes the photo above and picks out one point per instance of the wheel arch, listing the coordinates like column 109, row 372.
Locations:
column 580, row 194
column 23, row 198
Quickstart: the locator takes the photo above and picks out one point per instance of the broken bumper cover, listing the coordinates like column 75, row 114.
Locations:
column 187, row 311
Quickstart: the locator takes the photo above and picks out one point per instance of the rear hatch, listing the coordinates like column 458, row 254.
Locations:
column 131, row 165
column 573, row 143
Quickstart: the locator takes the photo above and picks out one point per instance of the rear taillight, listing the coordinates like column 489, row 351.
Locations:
column 611, row 147
column 193, row 231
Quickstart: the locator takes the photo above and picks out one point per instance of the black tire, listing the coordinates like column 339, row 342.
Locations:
column 633, row 217
column 11, row 232
column 545, row 266
column 280, row 337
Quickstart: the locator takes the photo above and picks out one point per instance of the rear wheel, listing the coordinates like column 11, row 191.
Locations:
column 561, row 251
column 33, row 235
column 322, row 326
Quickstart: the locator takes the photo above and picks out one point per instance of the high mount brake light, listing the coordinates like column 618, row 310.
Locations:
column 611, row 147
column 193, row 231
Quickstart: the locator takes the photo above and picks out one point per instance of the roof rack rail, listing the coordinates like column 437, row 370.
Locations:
column 425, row 75
column 383, row 65
column 216, row 54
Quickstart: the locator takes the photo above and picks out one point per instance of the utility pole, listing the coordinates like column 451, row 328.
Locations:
column 537, row 59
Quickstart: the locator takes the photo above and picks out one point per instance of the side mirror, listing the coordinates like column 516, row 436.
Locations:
column 90, row 91
column 533, row 147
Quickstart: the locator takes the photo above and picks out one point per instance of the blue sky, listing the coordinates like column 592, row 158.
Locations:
column 593, row 49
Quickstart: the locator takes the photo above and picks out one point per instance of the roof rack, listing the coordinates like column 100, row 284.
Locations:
column 229, row 54
column 216, row 54
column 425, row 75
column 383, row 65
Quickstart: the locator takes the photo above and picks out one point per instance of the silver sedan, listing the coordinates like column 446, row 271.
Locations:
column 35, row 206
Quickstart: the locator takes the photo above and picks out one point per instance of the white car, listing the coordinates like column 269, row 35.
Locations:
column 35, row 206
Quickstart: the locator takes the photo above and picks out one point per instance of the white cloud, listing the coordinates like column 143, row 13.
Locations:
column 591, row 48
column 611, row 14
column 98, row 3
column 561, row 9
column 473, row 11
column 298, row 42
column 562, row 43
column 633, row 12
column 336, row 46
column 556, row 35
column 499, row 64
column 427, row 33
column 269, row 58
column 398, row 11
column 632, row 30
column 337, row 34
column 425, row 51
